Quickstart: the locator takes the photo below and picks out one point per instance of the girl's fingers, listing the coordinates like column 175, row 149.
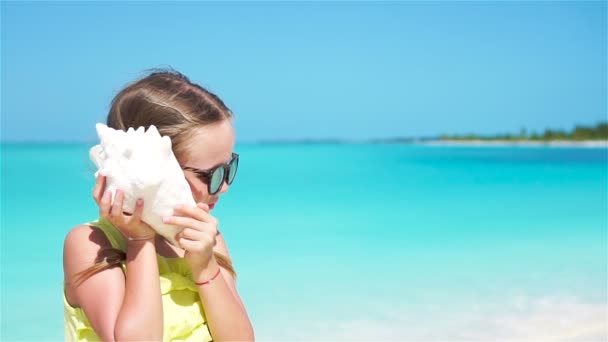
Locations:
column 100, row 184
column 195, row 235
column 139, row 209
column 197, row 213
column 203, row 206
column 190, row 211
column 116, row 210
column 189, row 245
column 104, row 204
column 193, row 245
column 187, row 222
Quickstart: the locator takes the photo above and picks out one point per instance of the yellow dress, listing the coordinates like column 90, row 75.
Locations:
column 183, row 315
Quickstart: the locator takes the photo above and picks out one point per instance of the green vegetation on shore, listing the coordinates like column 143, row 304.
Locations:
column 598, row 133
column 579, row 133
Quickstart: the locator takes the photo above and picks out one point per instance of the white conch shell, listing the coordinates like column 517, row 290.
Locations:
column 142, row 165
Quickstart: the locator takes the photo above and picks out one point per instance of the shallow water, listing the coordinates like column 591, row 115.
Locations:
column 357, row 241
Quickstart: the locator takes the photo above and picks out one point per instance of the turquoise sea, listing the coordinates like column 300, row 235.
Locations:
column 356, row 241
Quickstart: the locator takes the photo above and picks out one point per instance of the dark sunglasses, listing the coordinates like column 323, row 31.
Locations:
column 214, row 178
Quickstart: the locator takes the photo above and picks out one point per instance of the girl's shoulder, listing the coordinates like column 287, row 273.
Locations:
column 96, row 235
column 85, row 238
column 82, row 248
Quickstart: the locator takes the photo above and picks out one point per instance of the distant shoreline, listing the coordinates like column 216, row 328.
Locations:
column 412, row 142
column 515, row 143
column 446, row 142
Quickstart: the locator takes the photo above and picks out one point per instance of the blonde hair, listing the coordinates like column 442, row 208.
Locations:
column 168, row 100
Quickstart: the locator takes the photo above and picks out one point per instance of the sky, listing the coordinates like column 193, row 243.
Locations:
column 311, row 70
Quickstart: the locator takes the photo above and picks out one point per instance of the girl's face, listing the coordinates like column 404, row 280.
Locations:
column 210, row 146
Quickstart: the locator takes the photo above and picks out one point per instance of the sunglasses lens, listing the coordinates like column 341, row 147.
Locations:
column 234, row 165
column 217, row 178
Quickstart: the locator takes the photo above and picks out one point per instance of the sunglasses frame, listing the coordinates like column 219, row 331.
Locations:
column 205, row 175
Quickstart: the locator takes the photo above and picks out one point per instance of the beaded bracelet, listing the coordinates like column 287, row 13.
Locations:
column 212, row 278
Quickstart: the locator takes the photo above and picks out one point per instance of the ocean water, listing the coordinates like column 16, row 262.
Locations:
column 345, row 242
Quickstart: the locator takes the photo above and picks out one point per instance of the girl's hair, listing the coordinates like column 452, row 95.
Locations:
column 168, row 100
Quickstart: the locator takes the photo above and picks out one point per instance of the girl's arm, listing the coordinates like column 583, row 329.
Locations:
column 141, row 314
column 225, row 312
column 118, row 309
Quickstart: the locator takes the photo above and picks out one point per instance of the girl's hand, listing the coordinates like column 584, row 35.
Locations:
column 129, row 225
column 198, row 235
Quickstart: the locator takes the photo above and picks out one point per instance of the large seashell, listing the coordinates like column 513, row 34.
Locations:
column 142, row 165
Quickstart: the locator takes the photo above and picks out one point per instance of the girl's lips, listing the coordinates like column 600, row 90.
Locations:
column 211, row 206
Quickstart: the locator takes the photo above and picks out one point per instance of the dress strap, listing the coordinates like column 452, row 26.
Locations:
column 116, row 239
